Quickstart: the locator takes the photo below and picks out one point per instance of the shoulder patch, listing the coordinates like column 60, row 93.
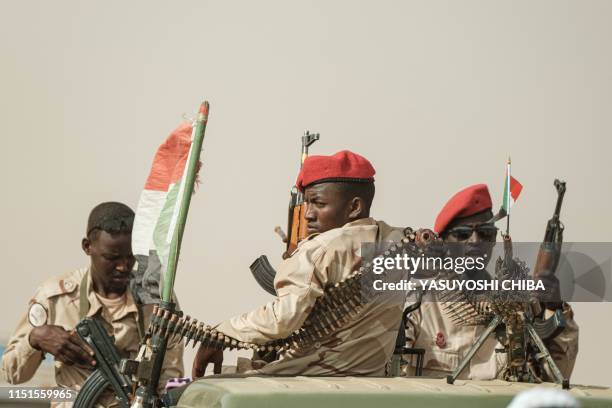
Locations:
column 37, row 315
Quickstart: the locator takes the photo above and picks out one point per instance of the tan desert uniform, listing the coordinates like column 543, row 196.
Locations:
column 445, row 344
column 60, row 298
column 362, row 346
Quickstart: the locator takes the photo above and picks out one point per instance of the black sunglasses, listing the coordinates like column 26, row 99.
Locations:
column 487, row 231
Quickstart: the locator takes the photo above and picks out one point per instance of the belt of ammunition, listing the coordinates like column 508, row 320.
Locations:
column 340, row 303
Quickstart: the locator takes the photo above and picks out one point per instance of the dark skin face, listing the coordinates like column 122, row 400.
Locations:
column 474, row 243
column 111, row 262
column 327, row 208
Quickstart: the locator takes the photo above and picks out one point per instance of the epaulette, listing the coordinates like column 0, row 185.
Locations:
column 61, row 285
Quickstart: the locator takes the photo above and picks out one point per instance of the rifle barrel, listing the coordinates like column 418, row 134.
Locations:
column 560, row 186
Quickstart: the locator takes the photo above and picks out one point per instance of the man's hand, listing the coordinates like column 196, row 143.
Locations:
column 284, row 238
column 66, row 346
column 551, row 298
column 207, row 355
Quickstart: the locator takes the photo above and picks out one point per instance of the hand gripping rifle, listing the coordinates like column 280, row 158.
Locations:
column 550, row 249
column 261, row 269
column 144, row 371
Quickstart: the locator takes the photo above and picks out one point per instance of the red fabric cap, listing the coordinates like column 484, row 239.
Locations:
column 342, row 166
column 468, row 201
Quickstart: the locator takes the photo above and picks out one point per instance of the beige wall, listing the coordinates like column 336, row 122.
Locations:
column 437, row 94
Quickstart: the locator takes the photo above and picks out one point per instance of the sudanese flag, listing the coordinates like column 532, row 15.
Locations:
column 512, row 190
column 157, row 212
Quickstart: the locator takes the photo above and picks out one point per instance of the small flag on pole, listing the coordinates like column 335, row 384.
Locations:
column 512, row 190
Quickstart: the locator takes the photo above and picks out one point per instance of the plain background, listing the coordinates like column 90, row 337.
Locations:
column 437, row 94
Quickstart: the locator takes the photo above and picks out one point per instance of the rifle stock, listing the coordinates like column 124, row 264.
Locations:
column 296, row 228
column 550, row 250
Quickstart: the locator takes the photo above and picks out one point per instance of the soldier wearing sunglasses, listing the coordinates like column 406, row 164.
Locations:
column 467, row 220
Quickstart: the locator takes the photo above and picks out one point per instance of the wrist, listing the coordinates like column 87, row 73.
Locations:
column 33, row 338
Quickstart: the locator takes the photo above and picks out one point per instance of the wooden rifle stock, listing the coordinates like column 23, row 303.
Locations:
column 550, row 250
column 296, row 228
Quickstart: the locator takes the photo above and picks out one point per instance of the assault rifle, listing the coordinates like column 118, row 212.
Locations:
column 261, row 269
column 550, row 249
column 296, row 224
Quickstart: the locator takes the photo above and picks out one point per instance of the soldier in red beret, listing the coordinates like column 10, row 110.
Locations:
column 338, row 191
column 469, row 207
column 467, row 219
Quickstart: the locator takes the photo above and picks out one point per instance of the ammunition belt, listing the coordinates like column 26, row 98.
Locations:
column 468, row 308
column 340, row 303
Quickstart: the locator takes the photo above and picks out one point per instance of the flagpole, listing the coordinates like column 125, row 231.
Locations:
column 188, row 180
column 508, row 196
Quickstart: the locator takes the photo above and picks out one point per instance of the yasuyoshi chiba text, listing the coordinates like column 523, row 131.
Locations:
column 460, row 284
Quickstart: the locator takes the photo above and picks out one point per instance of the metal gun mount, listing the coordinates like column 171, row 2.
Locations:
column 522, row 332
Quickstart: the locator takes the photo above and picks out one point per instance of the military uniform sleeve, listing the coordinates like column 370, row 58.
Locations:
column 20, row 360
column 564, row 347
column 297, row 287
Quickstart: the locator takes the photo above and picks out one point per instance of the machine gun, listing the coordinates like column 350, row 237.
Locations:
column 511, row 317
column 515, row 317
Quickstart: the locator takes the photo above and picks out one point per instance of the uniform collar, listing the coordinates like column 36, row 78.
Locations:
column 95, row 305
column 356, row 223
column 359, row 222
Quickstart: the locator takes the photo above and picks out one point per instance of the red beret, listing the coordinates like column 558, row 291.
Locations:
column 469, row 201
column 342, row 166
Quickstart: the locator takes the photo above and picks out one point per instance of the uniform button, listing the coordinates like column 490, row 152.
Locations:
column 68, row 285
column 440, row 340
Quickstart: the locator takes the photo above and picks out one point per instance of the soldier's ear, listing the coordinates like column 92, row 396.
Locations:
column 86, row 245
column 356, row 207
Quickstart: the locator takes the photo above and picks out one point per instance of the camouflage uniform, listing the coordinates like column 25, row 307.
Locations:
column 360, row 347
column 60, row 298
column 445, row 343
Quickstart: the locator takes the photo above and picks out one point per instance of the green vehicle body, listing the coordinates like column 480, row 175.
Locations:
column 371, row 392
